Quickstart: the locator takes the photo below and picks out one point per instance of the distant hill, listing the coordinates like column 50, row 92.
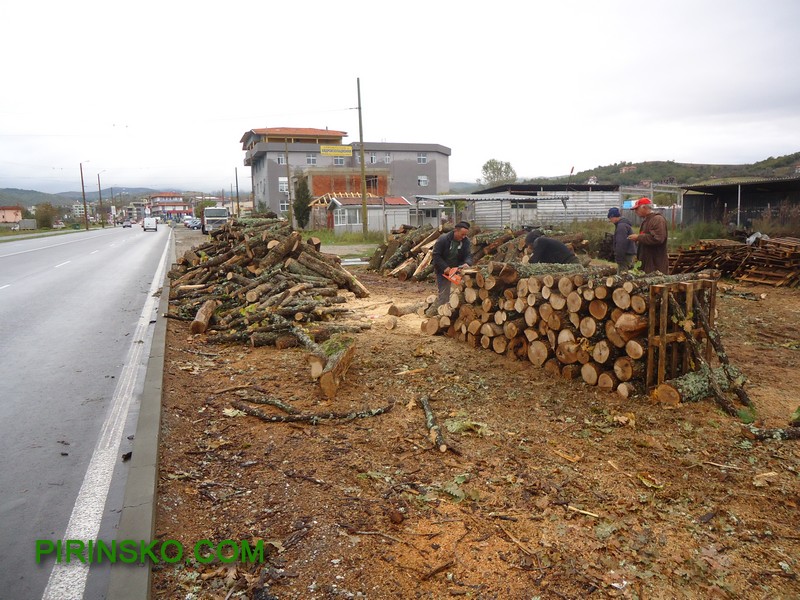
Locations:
column 670, row 172
column 28, row 198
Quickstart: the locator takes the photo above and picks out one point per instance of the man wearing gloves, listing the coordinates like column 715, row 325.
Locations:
column 451, row 252
column 624, row 249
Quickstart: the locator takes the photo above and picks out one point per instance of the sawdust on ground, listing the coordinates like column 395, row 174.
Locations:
column 555, row 489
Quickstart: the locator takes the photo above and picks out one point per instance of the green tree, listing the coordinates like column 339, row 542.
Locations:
column 302, row 203
column 46, row 214
column 495, row 172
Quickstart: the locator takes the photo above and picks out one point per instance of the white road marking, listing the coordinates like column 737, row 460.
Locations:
column 82, row 239
column 68, row 581
column 62, row 264
column 2, row 287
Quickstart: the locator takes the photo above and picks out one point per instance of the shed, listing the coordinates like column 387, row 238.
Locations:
column 383, row 214
column 743, row 201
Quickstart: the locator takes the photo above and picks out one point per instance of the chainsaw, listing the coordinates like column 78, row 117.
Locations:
column 453, row 277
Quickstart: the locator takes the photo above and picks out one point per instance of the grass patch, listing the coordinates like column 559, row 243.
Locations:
column 327, row 237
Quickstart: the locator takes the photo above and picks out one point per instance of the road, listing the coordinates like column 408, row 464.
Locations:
column 76, row 320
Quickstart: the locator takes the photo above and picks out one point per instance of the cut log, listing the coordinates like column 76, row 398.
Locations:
column 588, row 327
column 590, row 373
column 636, row 349
column 603, row 352
column 538, row 352
column 598, row 309
column 613, row 335
column 630, row 325
column 607, row 381
column 692, row 387
column 340, row 351
column 626, row 369
column 629, row 389
column 567, row 352
column 397, row 310
column 203, row 316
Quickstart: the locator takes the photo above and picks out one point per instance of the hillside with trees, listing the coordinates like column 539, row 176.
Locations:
column 671, row 172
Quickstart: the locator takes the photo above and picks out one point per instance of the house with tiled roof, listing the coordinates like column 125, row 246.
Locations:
column 279, row 157
column 383, row 213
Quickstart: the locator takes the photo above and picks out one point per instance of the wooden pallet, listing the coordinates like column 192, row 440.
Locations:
column 668, row 349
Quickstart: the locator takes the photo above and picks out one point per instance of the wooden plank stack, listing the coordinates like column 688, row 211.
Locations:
column 575, row 323
column 773, row 262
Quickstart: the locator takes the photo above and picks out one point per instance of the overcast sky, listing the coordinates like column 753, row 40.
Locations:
column 158, row 94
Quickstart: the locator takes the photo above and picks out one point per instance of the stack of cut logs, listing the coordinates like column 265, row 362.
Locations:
column 591, row 324
column 409, row 255
column 254, row 280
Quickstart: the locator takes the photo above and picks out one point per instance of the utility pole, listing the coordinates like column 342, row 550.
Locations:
column 236, row 174
column 83, row 193
column 288, row 181
column 100, row 195
column 363, row 166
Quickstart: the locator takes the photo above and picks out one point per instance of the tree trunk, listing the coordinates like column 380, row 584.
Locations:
column 341, row 349
column 692, row 387
column 203, row 317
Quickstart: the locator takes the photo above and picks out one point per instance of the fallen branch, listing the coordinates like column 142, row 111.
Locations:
column 434, row 431
column 311, row 419
column 787, row 433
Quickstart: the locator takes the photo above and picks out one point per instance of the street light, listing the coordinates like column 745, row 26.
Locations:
column 83, row 193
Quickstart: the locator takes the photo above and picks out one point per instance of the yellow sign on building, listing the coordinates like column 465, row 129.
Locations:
column 336, row 150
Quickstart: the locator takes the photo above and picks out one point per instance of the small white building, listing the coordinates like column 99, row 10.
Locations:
column 383, row 214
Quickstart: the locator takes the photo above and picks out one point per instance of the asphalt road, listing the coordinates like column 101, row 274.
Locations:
column 76, row 320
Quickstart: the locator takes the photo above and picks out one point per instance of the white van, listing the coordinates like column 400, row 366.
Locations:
column 150, row 224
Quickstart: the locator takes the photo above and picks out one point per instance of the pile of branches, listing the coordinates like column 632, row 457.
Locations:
column 255, row 281
column 409, row 255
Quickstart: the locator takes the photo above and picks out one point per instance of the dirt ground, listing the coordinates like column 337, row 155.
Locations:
column 557, row 490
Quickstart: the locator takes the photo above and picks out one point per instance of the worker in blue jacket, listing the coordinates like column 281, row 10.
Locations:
column 451, row 252
column 624, row 249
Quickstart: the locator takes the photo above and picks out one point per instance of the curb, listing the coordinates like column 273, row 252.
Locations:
column 138, row 519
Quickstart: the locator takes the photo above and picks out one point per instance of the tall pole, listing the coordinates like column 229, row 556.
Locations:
column 83, row 193
column 100, row 195
column 363, row 166
column 236, row 173
column 288, row 181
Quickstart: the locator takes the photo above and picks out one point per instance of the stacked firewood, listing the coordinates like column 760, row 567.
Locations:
column 409, row 255
column 573, row 322
column 255, row 280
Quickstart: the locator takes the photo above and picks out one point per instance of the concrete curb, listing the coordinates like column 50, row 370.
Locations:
column 138, row 520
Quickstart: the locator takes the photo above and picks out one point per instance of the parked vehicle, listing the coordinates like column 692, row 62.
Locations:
column 194, row 224
column 127, row 223
column 214, row 218
column 150, row 224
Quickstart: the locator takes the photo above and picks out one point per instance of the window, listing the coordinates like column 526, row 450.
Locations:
column 387, row 158
column 311, row 158
column 354, row 216
column 281, row 159
column 422, row 158
column 283, row 185
column 340, row 216
column 372, row 183
column 338, row 161
column 284, row 204
column 422, row 181
column 373, row 158
column 430, row 213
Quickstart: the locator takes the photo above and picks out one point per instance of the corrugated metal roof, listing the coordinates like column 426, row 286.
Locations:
column 472, row 197
column 389, row 201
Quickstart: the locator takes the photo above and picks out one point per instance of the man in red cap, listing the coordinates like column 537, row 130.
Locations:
column 652, row 237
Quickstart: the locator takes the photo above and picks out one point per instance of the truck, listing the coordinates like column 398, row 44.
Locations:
column 150, row 224
column 214, row 217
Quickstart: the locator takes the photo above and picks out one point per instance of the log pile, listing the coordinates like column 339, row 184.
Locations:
column 409, row 254
column 773, row 262
column 590, row 324
column 256, row 282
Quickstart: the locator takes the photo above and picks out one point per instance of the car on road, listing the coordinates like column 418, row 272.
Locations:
column 150, row 224
column 127, row 223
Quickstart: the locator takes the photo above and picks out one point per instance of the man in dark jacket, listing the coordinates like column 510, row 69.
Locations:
column 652, row 238
column 451, row 252
column 624, row 249
column 549, row 250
